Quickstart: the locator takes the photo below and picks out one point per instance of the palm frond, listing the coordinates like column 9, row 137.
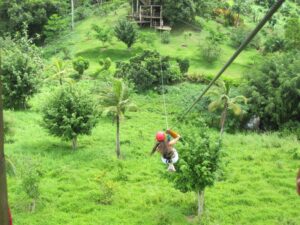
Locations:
column 213, row 106
column 237, row 110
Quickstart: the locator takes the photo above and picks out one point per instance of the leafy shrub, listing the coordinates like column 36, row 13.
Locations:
column 274, row 43
column 107, row 191
column 165, row 37
column 80, row 64
column 147, row 69
column 126, row 32
column 184, row 65
column 55, row 26
column 69, row 113
column 210, row 53
column 273, row 89
column 239, row 34
column 292, row 30
column 21, row 67
column 31, row 186
column 105, row 63
column 102, row 34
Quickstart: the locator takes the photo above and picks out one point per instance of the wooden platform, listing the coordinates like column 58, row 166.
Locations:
column 164, row 28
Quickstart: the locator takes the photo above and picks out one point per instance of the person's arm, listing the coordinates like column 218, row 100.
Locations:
column 154, row 148
column 174, row 141
column 174, row 135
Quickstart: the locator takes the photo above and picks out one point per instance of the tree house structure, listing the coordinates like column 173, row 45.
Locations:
column 148, row 12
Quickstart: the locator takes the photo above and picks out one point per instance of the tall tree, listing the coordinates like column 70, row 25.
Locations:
column 222, row 99
column 115, row 100
column 3, row 183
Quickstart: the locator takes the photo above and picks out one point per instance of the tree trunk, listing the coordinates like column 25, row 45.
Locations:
column 72, row 7
column 237, row 23
column 118, row 150
column 200, row 202
column 223, row 118
column 74, row 143
column 3, row 184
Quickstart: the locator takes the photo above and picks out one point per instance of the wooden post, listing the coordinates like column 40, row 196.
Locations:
column 132, row 5
column 161, row 22
column 141, row 14
column 72, row 8
column 3, row 183
column 151, row 15
column 137, row 6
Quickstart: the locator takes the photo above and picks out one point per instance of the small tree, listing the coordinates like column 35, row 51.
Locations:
column 80, row 64
column 59, row 72
column 197, row 167
column 55, row 26
column 69, row 113
column 102, row 34
column 115, row 100
column 210, row 53
column 126, row 32
column 21, row 67
column 31, row 186
column 222, row 99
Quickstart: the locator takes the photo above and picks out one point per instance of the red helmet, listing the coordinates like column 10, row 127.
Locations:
column 160, row 136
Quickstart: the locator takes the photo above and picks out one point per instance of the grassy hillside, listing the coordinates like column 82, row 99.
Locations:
column 83, row 43
column 90, row 186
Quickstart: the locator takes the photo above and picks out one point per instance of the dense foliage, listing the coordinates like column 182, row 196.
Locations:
column 147, row 69
column 55, row 26
column 21, row 68
column 69, row 113
column 273, row 88
column 80, row 64
column 34, row 13
column 126, row 32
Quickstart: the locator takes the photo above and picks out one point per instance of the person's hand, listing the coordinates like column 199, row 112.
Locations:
column 168, row 131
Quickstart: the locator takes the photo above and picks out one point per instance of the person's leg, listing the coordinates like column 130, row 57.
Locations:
column 171, row 167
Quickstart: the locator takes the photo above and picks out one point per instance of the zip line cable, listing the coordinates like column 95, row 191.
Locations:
column 270, row 13
column 163, row 88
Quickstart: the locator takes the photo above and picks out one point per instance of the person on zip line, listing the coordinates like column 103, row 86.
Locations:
column 164, row 145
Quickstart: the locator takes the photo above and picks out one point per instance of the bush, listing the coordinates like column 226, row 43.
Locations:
column 126, row 32
column 69, row 113
column 147, row 69
column 273, row 89
column 239, row 34
column 80, row 64
column 165, row 37
column 31, row 186
column 274, row 43
column 55, row 26
column 210, row 52
column 21, row 68
column 184, row 65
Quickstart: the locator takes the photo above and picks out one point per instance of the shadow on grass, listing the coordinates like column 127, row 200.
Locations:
column 114, row 54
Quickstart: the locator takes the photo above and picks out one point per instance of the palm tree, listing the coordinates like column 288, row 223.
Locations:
column 60, row 72
column 3, row 183
column 222, row 98
column 115, row 100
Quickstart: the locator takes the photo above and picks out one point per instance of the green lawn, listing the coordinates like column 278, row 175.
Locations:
column 81, row 42
column 90, row 186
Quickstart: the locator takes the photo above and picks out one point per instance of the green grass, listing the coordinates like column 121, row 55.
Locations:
column 90, row 186
column 81, row 42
